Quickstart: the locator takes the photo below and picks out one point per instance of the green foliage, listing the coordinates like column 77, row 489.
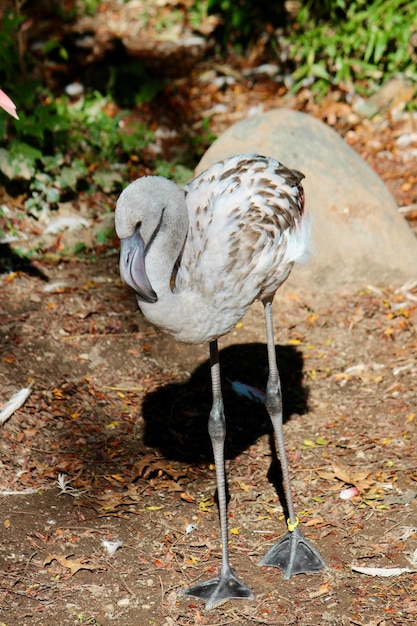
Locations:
column 198, row 12
column 50, row 178
column 245, row 20
column 10, row 61
column 343, row 41
column 128, row 73
column 201, row 142
column 7, row 228
column 19, row 161
column 58, row 146
column 57, row 142
column 89, row 7
column 179, row 173
column 236, row 15
column 97, row 134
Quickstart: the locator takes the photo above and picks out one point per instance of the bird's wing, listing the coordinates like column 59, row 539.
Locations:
column 242, row 213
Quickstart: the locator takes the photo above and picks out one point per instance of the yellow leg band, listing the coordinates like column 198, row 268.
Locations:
column 292, row 527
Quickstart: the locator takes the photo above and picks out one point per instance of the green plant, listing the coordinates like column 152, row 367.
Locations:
column 201, row 141
column 11, row 52
column 59, row 146
column 179, row 173
column 345, row 41
column 128, row 73
column 89, row 7
column 51, row 180
column 57, row 143
column 97, row 134
column 8, row 231
column 197, row 12
column 245, row 20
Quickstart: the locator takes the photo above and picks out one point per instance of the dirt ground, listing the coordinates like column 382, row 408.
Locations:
column 111, row 445
column 120, row 410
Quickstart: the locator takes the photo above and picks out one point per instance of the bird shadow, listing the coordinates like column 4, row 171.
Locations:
column 10, row 261
column 176, row 415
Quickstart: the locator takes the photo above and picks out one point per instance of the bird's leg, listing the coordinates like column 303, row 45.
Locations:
column 226, row 585
column 293, row 553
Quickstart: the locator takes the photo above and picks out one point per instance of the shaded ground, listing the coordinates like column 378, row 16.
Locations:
column 120, row 411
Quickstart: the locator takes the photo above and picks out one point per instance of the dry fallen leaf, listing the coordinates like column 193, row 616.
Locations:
column 359, row 479
column 148, row 466
column 321, row 591
column 326, row 474
column 73, row 564
column 187, row 497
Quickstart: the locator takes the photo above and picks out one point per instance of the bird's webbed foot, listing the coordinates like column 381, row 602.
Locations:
column 218, row 590
column 293, row 554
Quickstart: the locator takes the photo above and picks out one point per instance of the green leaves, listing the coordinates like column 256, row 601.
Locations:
column 19, row 161
column 344, row 41
column 60, row 145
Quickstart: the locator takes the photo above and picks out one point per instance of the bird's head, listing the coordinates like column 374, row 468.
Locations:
column 141, row 214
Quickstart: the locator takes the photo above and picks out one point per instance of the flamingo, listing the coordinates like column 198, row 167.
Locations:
column 197, row 258
column 7, row 104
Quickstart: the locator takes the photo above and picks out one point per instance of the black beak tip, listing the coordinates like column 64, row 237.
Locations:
column 149, row 297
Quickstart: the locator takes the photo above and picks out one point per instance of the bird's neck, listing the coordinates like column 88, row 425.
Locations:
column 172, row 309
column 172, row 313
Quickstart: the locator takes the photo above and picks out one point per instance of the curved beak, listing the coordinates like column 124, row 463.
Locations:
column 132, row 267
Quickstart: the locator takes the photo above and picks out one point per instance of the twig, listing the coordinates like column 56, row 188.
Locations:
column 107, row 335
column 122, row 388
column 402, row 521
column 162, row 588
column 19, row 580
column 19, row 4
column 16, row 492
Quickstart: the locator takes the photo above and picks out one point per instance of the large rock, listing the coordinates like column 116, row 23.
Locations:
column 358, row 235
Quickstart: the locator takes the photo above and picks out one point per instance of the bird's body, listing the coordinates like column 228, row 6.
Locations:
column 245, row 230
column 197, row 258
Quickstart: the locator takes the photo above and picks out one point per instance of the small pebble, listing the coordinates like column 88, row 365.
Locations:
column 74, row 90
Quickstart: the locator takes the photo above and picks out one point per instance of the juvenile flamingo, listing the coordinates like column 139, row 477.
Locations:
column 197, row 258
